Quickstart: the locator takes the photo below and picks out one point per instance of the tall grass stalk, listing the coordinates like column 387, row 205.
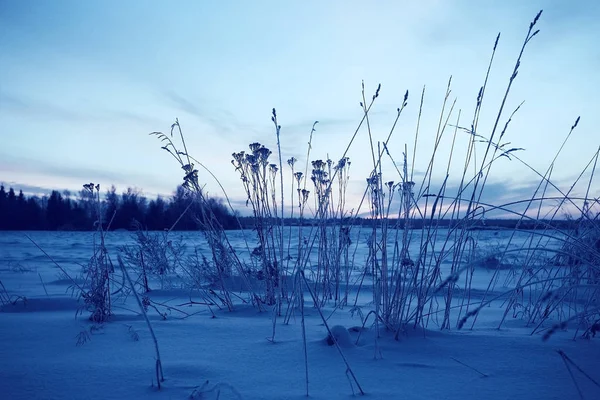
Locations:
column 158, row 367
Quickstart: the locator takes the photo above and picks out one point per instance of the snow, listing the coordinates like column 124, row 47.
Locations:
column 230, row 356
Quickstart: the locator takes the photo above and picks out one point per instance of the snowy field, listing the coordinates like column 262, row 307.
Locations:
column 47, row 351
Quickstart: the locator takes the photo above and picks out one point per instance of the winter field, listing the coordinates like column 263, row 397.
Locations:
column 404, row 293
column 51, row 350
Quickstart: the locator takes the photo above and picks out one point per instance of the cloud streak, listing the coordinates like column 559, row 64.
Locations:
column 221, row 121
column 49, row 176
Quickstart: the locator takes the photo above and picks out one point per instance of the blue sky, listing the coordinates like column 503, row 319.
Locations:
column 82, row 83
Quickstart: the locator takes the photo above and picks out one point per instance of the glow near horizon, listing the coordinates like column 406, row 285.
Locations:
column 83, row 83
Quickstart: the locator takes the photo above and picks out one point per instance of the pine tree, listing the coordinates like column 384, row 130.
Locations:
column 3, row 208
column 12, row 221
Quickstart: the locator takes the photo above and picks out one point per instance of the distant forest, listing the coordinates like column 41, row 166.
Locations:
column 131, row 210
column 68, row 211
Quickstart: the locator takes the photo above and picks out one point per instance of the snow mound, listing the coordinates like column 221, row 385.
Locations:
column 341, row 335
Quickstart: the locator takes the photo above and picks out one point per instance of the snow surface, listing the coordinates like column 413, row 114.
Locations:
column 230, row 356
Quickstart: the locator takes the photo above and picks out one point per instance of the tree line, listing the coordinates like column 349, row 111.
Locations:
column 132, row 210
column 128, row 210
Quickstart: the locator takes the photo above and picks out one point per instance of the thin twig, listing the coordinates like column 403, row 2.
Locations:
column 468, row 366
column 159, row 371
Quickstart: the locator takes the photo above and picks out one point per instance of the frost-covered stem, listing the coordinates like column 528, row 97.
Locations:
column 278, row 131
column 301, row 291
column 159, row 371
column 337, row 346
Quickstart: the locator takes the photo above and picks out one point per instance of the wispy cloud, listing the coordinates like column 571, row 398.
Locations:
column 185, row 105
column 28, row 190
column 32, row 108
column 223, row 121
column 49, row 176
